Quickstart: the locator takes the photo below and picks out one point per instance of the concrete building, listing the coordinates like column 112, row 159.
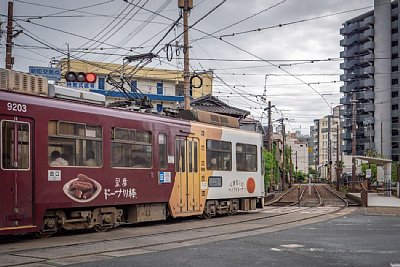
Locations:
column 371, row 80
column 325, row 144
column 163, row 87
column 299, row 147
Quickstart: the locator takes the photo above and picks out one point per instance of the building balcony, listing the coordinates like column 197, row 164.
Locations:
column 369, row 82
column 348, row 28
column 369, row 33
column 395, row 12
column 395, row 36
column 395, row 62
column 367, row 22
column 345, row 100
column 367, row 107
column 366, row 95
column 366, row 46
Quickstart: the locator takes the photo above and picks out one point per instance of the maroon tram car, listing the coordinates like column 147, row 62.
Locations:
column 67, row 165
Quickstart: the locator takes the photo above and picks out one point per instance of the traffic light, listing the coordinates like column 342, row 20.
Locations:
column 89, row 77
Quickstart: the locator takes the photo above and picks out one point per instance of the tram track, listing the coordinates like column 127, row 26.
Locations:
column 132, row 240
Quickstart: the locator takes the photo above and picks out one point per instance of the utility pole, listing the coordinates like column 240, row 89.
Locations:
column 284, row 164
column 290, row 169
column 337, row 158
column 329, row 151
column 269, row 132
column 68, row 58
column 296, row 168
column 353, row 147
column 9, row 43
column 186, row 5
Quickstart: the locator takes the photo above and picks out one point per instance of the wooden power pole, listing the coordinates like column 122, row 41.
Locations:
column 186, row 6
column 9, row 43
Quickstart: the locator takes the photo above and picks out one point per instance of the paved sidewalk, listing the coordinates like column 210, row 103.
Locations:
column 377, row 200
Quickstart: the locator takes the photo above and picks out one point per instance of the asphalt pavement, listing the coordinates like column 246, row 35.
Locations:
column 358, row 239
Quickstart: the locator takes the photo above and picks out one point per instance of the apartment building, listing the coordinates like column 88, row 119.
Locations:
column 371, row 80
column 325, row 136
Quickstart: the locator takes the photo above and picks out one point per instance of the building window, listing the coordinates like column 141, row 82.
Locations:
column 133, row 86
column 160, row 89
column 395, row 119
column 395, row 132
column 395, row 30
column 395, row 81
column 395, row 145
column 395, row 94
column 395, row 107
column 159, row 107
column 395, row 68
column 102, row 83
column 395, row 43
column 395, row 56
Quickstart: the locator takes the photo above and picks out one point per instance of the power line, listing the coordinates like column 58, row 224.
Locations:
column 291, row 23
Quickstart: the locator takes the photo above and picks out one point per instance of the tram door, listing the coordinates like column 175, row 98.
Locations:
column 187, row 173
column 16, row 172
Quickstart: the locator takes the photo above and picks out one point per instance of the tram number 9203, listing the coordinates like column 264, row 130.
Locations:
column 16, row 107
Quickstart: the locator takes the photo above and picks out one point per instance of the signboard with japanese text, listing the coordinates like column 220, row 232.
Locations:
column 80, row 85
column 49, row 73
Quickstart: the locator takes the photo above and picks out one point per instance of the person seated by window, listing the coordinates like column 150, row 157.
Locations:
column 57, row 160
column 228, row 165
column 139, row 162
column 90, row 161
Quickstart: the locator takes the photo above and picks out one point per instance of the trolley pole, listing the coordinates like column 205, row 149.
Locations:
column 9, row 43
column 186, row 5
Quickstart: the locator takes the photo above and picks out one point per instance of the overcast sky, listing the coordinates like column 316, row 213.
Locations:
column 226, row 41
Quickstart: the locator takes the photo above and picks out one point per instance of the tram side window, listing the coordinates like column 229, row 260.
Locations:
column 163, row 153
column 219, row 155
column 246, row 157
column 131, row 148
column 75, row 144
column 15, row 145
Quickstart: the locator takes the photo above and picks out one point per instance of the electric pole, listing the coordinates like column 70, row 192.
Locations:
column 9, row 43
column 329, row 151
column 290, row 169
column 283, row 156
column 186, row 6
column 269, row 132
column 296, row 169
column 337, row 158
column 353, row 147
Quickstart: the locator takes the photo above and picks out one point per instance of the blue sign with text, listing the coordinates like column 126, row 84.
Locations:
column 49, row 73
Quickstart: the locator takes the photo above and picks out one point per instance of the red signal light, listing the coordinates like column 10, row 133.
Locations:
column 90, row 77
column 71, row 76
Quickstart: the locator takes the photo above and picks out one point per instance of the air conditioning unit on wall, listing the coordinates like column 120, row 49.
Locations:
column 21, row 82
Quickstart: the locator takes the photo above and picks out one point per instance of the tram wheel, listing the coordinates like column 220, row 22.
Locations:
column 100, row 229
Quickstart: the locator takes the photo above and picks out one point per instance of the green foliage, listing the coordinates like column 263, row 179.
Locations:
column 395, row 165
column 299, row 176
column 271, row 175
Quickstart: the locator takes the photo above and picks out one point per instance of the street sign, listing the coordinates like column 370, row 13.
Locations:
column 49, row 73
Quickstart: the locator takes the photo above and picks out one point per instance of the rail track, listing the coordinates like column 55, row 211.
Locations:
column 146, row 237
column 310, row 196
